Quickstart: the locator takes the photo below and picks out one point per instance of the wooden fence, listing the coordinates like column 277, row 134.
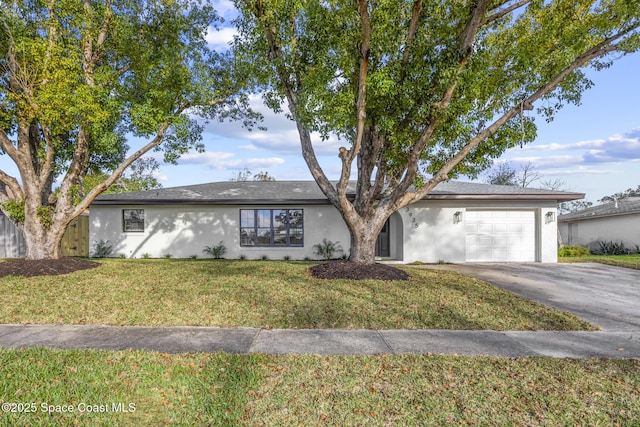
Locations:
column 75, row 242
column 11, row 241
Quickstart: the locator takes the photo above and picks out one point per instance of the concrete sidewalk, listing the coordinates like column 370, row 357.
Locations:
column 606, row 344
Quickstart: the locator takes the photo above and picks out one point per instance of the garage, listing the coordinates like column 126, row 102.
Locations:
column 500, row 235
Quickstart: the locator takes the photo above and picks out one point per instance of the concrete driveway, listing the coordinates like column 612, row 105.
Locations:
column 604, row 295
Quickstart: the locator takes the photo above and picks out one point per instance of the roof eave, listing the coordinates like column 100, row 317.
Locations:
column 597, row 216
column 566, row 197
column 211, row 202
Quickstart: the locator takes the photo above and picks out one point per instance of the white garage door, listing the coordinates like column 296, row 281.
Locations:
column 497, row 236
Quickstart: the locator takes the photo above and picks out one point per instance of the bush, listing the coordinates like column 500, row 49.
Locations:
column 327, row 249
column 216, row 251
column 573, row 251
column 101, row 249
column 610, row 248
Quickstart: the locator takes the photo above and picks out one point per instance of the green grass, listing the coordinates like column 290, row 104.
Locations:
column 400, row 390
column 627, row 261
column 274, row 294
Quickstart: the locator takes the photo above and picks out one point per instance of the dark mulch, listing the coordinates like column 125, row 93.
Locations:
column 44, row 267
column 355, row 271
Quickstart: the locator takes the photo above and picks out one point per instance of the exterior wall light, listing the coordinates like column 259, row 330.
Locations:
column 457, row 217
column 550, row 217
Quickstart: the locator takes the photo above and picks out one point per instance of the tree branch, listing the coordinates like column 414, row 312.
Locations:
column 13, row 185
column 8, row 147
column 413, row 26
column 465, row 40
column 308, row 152
column 365, row 49
column 503, row 12
column 95, row 192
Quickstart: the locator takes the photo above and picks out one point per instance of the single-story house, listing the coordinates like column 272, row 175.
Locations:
column 617, row 221
column 457, row 222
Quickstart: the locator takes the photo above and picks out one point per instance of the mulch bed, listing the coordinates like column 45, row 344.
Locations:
column 355, row 271
column 44, row 267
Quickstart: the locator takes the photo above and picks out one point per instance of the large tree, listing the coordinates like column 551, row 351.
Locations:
column 77, row 78
column 423, row 90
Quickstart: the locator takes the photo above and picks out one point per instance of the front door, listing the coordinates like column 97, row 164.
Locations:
column 383, row 243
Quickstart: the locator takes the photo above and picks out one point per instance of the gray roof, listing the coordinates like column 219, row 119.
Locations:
column 626, row 206
column 291, row 192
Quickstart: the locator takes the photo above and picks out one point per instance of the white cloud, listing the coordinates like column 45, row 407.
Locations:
column 228, row 161
column 220, row 38
column 615, row 149
column 280, row 137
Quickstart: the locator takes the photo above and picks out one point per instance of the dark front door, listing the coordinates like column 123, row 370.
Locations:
column 383, row 242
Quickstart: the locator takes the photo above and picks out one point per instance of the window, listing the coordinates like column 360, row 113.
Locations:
column 271, row 227
column 133, row 220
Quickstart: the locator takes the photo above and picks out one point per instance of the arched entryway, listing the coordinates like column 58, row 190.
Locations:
column 389, row 242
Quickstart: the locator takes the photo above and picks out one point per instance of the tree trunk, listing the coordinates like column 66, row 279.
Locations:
column 42, row 242
column 363, row 249
column 364, row 230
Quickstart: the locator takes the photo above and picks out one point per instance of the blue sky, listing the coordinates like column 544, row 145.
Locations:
column 594, row 148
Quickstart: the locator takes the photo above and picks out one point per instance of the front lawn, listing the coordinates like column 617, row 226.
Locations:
column 267, row 294
column 628, row 261
column 97, row 387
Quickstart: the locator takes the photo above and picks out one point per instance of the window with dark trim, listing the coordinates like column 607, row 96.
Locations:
column 133, row 220
column 271, row 227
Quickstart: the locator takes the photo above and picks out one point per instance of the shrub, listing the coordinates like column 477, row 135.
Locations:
column 146, row 255
column 168, row 256
column 101, row 249
column 286, row 257
column 242, row 257
column 216, row 251
column 327, row 249
column 610, row 248
column 264, row 257
column 573, row 251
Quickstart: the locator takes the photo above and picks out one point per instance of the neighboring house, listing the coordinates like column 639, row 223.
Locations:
column 457, row 222
column 618, row 221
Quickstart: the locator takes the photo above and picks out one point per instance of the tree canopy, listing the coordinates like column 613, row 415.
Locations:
column 79, row 78
column 422, row 91
column 629, row 192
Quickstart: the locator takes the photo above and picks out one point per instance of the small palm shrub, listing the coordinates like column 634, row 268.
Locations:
column 216, row 251
column 610, row 248
column 573, row 251
column 101, row 249
column 327, row 249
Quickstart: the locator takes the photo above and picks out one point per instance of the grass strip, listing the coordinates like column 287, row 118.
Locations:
column 626, row 261
column 273, row 294
column 223, row 389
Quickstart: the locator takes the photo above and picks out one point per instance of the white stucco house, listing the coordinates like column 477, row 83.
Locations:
column 617, row 221
column 457, row 222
